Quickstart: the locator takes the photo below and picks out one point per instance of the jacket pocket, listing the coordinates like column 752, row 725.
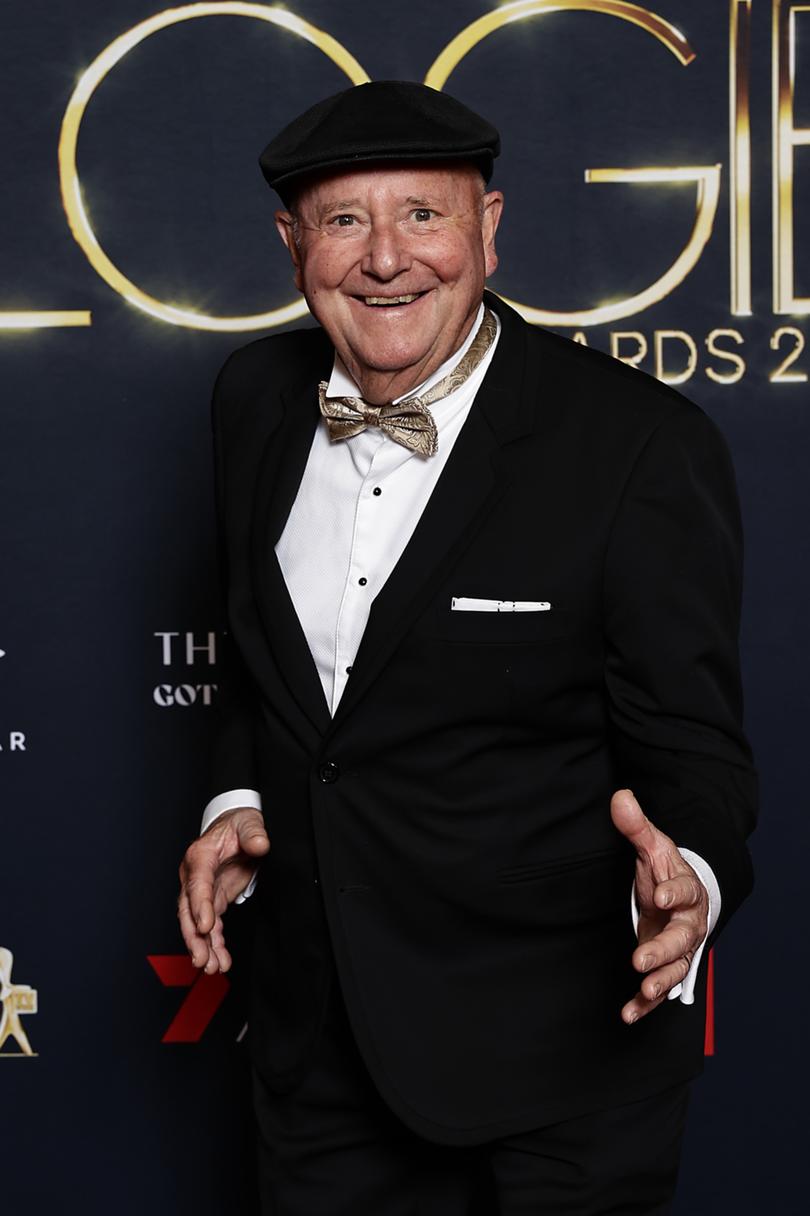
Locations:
column 506, row 628
column 530, row 870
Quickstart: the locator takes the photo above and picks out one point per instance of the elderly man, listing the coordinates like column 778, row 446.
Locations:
column 481, row 582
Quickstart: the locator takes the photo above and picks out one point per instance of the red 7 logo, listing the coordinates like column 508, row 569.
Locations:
column 708, row 1040
column 206, row 994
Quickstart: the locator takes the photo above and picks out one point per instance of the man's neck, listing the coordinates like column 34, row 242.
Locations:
column 379, row 388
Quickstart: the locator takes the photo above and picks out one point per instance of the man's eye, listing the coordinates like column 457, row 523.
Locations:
column 343, row 221
column 423, row 214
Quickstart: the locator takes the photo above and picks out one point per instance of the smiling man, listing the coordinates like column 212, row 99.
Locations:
column 393, row 265
column 481, row 582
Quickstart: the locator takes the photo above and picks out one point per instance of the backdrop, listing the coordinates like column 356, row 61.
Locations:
column 657, row 188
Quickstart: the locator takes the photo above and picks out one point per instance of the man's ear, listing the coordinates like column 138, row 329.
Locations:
column 492, row 210
column 285, row 223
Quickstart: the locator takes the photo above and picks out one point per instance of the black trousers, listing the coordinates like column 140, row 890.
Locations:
column 333, row 1148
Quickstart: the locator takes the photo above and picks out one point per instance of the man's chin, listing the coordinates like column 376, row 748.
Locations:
column 399, row 362
column 389, row 352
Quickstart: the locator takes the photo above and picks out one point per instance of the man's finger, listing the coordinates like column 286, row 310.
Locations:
column 200, row 894
column 677, row 940
column 198, row 872
column 659, row 982
column 218, row 948
column 684, row 891
column 196, row 945
column 631, row 821
column 253, row 838
column 639, row 1007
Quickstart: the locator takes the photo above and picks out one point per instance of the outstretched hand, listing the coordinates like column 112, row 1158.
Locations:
column 215, row 869
column 673, row 907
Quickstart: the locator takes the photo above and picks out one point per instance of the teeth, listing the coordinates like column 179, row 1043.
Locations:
column 386, row 300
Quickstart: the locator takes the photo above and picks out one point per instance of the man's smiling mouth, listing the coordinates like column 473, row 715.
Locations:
column 390, row 301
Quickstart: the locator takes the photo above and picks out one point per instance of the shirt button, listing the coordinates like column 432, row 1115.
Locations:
column 349, row 670
column 362, row 581
column 376, row 491
column 329, row 772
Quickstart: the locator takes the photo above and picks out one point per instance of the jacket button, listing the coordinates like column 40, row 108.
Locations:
column 329, row 772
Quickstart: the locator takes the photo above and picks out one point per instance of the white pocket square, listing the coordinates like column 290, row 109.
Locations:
column 464, row 603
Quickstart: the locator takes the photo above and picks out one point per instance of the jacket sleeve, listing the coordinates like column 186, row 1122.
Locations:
column 672, row 589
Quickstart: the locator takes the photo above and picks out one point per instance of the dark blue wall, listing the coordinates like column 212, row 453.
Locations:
column 106, row 524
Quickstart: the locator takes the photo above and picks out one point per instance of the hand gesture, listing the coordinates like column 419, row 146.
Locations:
column 673, row 907
column 215, row 869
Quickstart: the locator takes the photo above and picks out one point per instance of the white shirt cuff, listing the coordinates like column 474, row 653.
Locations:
column 686, row 989
column 229, row 801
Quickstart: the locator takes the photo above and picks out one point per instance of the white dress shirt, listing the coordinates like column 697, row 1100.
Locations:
column 357, row 506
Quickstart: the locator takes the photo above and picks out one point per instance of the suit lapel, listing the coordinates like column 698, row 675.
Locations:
column 470, row 485
column 280, row 473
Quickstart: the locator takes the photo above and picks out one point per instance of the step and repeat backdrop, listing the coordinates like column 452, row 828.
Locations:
column 657, row 176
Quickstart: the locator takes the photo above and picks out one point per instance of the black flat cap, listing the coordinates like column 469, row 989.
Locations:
column 383, row 120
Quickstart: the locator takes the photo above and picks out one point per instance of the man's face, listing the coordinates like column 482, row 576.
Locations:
column 392, row 262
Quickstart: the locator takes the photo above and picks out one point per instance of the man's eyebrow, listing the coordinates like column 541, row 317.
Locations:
column 339, row 204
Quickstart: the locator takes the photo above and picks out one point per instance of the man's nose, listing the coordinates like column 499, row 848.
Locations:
column 386, row 253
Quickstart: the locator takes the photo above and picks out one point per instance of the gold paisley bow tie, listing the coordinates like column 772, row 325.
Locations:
column 408, row 422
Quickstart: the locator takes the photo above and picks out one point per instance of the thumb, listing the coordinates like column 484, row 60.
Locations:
column 253, row 838
column 630, row 820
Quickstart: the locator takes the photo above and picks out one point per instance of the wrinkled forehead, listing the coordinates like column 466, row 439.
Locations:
column 418, row 181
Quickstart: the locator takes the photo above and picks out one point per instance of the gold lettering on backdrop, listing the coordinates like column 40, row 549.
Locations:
column 739, row 118
column 725, row 363
column 674, row 335
column 707, row 177
column 449, row 59
column 72, row 199
column 782, row 375
column 736, row 360
column 786, row 138
column 44, row 319
column 616, row 339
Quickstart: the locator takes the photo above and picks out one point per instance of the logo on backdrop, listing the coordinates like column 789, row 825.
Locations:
column 206, row 994
column 17, row 1000
column 189, row 655
column 13, row 740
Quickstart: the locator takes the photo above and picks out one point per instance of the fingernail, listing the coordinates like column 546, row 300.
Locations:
column 631, row 1017
column 656, row 992
column 667, row 900
column 646, row 963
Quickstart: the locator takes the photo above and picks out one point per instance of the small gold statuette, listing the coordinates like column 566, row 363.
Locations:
column 15, row 999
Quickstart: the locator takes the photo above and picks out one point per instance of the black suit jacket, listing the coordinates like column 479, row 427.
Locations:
column 447, row 836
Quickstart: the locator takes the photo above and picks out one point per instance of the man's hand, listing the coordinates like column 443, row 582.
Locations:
column 673, row 907
column 216, row 868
